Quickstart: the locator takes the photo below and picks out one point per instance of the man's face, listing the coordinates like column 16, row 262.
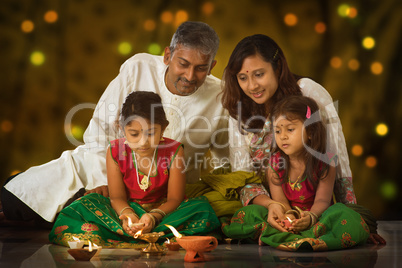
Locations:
column 187, row 69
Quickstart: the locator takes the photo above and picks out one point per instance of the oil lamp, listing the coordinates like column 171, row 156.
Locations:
column 83, row 254
column 287, row 222
column 151, row 238
column 195, row 246
column 172, row 246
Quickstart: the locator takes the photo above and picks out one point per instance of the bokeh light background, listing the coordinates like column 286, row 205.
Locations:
column 57, row 54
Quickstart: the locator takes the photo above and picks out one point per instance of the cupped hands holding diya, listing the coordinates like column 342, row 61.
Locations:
column 132, row 224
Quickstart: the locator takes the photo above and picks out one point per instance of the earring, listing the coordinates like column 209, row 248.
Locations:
column 162, row 139
column 125, row 141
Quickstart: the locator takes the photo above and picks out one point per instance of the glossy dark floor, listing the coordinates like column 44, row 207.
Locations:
column 27, row 247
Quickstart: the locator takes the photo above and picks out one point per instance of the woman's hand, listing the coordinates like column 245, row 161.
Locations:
column 276, row 216
column 301, row 224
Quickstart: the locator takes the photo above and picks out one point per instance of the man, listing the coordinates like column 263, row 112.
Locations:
column 190, row 95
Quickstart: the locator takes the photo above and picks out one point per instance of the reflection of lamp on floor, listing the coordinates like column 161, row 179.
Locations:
column 195, row 246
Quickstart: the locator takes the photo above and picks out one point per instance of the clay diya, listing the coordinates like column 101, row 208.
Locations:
column 287, row 222
column 81, row 254
column 172, row 246
column 195, row 246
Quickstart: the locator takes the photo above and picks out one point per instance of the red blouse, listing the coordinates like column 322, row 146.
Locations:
column 157, row 190
column 303, row 194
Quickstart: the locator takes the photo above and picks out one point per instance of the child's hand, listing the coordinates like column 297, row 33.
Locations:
column 135, row 227
column 288, row 221
column 148, row 223
column 301, row 224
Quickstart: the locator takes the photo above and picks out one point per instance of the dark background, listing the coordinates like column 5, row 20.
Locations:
column 80, row 48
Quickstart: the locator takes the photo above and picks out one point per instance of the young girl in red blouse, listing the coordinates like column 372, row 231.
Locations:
column 146, row 183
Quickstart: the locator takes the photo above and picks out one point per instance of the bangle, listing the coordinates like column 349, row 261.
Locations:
column 154, row 220
column 311, row 221
column 125, row 209
column 315, row 216
column 279, row 203
column 299, row 210
column 294, row 212
column 158, row 211
column 312, row 218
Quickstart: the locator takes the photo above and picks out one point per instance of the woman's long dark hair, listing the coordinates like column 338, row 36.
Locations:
column 316, row 160
column 233, row 95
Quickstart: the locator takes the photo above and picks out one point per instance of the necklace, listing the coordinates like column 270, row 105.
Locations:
column 145, row 180
column 293, row 184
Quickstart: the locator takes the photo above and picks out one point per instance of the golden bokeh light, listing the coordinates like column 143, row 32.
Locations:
column 352, row 12
column 368, row 42
column 336, row 62
column 27, row 26
column 167, row 17
column 124, row 48
column 381, row 129
column 354, row 64
column 357, row 150
column 149, row 25
column 181, row 16
column 37, row 58
column 371, row 161
column 290, row 19
column 154, row 49
column 51, row 16
column 77, row 132
column 208, row 8
column 320, row 27
column 7, row 126
column 376, row 68
column 343, row 10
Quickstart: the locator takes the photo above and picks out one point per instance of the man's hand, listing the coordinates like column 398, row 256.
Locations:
column 102, row 190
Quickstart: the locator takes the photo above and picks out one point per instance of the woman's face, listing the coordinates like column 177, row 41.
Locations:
column 257, row 79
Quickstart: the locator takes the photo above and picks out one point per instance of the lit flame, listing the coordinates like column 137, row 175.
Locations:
column 289, row 220
column 130, row 223
column 137, row 234
column 95, row 246
column 168, row 241
column 174, row 231
column 76, row 239
column 90, row 246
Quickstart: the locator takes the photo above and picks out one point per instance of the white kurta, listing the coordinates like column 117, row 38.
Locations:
column 239, row 143
column 198, row 121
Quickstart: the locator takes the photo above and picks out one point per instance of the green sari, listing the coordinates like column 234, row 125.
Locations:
column 92, row 218
column 339, row 227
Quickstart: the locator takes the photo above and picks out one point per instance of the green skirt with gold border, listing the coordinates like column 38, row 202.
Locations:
column 339, row 227
column 92, row 218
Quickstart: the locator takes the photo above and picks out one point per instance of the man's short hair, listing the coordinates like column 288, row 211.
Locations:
column 198, row 35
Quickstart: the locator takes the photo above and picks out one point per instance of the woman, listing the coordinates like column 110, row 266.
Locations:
column 256, row 77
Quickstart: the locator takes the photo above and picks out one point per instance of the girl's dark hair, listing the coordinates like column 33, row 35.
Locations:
column 316, row 160
column 147, row 105
column 233, row 95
